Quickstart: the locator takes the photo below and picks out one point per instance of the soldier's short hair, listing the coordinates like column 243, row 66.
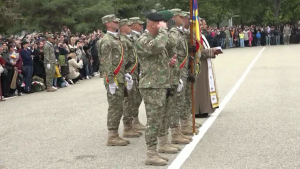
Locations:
column 110, row 18
column 136, row 20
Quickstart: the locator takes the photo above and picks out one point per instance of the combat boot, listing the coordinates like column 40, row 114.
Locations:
column 197, row 125
column 127, row 141
column 128, row 132
column 185, row 128
column 137, row 131
column 153, row 157
column 162, row 157
column 177, row 137
column 187, row 137
column 165, row 147
column 50, row 89
column 176, row 146
column 137, row 124
column 114, row 139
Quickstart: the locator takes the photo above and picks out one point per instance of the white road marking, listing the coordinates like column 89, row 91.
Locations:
column 188, row 149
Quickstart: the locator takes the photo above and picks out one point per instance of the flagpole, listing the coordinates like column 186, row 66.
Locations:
column 192, row 63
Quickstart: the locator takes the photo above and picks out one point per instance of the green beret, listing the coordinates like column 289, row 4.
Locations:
column 167, row 15
column 156, row 17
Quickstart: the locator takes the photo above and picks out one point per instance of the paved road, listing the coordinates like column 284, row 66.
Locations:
column 258, row 128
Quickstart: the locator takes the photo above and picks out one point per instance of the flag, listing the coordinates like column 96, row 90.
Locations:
column 196, row 26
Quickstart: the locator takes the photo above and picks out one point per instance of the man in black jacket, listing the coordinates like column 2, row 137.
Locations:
column 95, row 57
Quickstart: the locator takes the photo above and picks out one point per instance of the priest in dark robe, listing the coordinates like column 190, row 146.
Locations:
column 206, row 95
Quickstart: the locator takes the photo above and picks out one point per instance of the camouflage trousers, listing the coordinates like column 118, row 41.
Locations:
column 171, row 117
column 186, row 100
column 115, row 107
column 132, row 103
column 154, row 100
column 49, row 74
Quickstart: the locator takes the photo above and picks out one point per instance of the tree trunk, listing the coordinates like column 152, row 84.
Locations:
column 276, row 5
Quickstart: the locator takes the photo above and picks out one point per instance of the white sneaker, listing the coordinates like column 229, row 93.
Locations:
column 71, row 81
column 54, row 88
column 87, row 77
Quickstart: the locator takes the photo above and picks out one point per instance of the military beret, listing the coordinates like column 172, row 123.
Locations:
column 156, row 17
column 110, row 18
column 136, row 20
column 50, row 35
column 177, row 11
column 167, row 15
column 125, row 22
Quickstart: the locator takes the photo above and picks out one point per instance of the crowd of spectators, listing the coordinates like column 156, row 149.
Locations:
column 22, row 67
column 247, row 36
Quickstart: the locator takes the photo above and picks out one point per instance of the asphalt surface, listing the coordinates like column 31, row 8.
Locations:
column 258, row 128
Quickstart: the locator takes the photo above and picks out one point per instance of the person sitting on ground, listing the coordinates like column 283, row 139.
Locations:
column 74, row 74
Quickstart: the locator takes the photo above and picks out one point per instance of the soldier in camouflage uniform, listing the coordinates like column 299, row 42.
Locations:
column 154, row 82
column 49, row 62
column 111, row 51
column 100, row 58
column 131, row 95
column 137, row 27
column 171, row 107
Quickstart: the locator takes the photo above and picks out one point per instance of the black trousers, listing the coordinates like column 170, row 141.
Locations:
column 76, row 79
column 6, row 81
column 96, row 63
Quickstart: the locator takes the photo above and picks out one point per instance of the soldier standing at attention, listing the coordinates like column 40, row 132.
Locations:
column 130, row 67
column 155, row 80
column 137, row 28
column 172, row 101
column 112, row 53
column 49, row 62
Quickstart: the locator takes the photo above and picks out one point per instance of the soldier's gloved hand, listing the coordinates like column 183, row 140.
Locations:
column 129, row 81
column 128, row 77
column 192, row 49
column 129, row 85
column 112, row 88
column 180, row 86
column 48, row 66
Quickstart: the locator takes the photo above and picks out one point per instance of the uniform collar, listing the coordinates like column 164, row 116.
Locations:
column 113, row 34
column 136, row 32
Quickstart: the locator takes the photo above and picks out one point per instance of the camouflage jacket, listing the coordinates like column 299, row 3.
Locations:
column 154, row 60
column 111, row 53
column 173, row 40
column 186, row 35
column 130, row 54
column 98, row 45
column 182, row 55
column 49, row 55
